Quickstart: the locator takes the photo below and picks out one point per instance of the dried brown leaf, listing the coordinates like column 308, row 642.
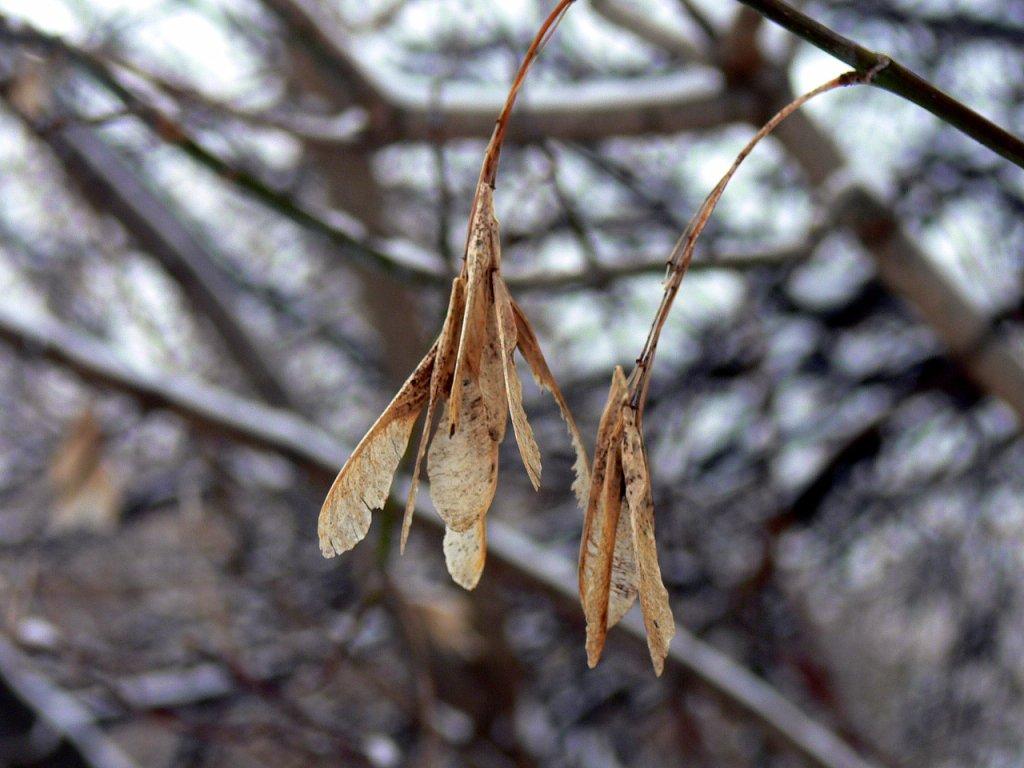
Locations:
column 658, row 619
column 439, row 380
column 601, row 520
column 363, row 483
column 530, row 349
column 94, row 504
column 463, row 465
column 506, row 320
column 465, row 553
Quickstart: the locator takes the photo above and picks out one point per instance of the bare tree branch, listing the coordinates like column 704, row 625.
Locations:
column 641, row 25
column 894, row 78
column 580, row 111
column 61, row 732
column 111, row 185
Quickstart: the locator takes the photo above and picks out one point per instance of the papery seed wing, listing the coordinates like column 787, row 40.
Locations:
column 530, row 349
column 363, row 483
column 658, row 619
column 600, row 552
column 465, row 553
column 607, row 424
column 445, row 361
column 623, row 588
column 508, row 336
column 601, row 521
column 482, row 255
column 463, row 466
column 492, row 373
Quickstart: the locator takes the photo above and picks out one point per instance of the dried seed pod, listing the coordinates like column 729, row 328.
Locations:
column 440, row 380
column 611, row 577
column 363, row 483
column 471, row 371
column 601, row 520
column 618, row 555
column 658, row 619
column 470, row 366
column 465, row 553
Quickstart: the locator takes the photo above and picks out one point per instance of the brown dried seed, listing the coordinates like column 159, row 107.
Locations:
column 506, row 321
column 364, row 481
column 439, row 380
column 463, row 466
column 465, row 553
column 658, row 619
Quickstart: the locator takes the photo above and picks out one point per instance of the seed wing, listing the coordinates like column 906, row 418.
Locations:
column 463, row 466
column 530, row 349
column 444, row 363
column 482, row 256
column 465, row 553
column 658, row 619
column 601, row 521
column 508, row 336
column 364, row 481
column 623, row 587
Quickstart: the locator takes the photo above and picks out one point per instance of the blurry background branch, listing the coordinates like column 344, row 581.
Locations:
column 895, row 78
column 835, row 477
column 277, row 430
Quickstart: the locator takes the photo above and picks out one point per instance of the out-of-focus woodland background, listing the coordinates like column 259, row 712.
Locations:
column 267, row 198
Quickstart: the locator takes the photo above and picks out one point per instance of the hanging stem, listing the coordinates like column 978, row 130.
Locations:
column 489, row 169
column 682, row 252
column 490, row 165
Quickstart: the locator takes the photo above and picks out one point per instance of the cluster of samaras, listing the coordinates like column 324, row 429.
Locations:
column 470, row 370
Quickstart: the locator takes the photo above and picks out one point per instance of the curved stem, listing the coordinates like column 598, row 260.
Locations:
column 489, row 168
column 896, row 78
column 682, row 253
column 490, row 165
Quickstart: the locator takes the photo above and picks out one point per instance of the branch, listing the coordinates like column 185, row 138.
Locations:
column 312, row 448
column 956, row 25
column 596, row 276
column 401, row 110
column 648, row 30
column 894, row 78
column 992, row 356
column 58, row 731
column 108, row 181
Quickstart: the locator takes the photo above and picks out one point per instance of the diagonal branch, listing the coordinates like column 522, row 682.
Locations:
column 108, row 181
column 399, row 109
column 643, row 26
column 267, row 428
column 894, row 78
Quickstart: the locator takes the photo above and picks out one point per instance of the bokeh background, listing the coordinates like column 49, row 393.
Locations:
column 209, row 208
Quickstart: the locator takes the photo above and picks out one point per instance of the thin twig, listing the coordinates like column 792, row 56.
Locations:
column 682, row 253
column 894, row 78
